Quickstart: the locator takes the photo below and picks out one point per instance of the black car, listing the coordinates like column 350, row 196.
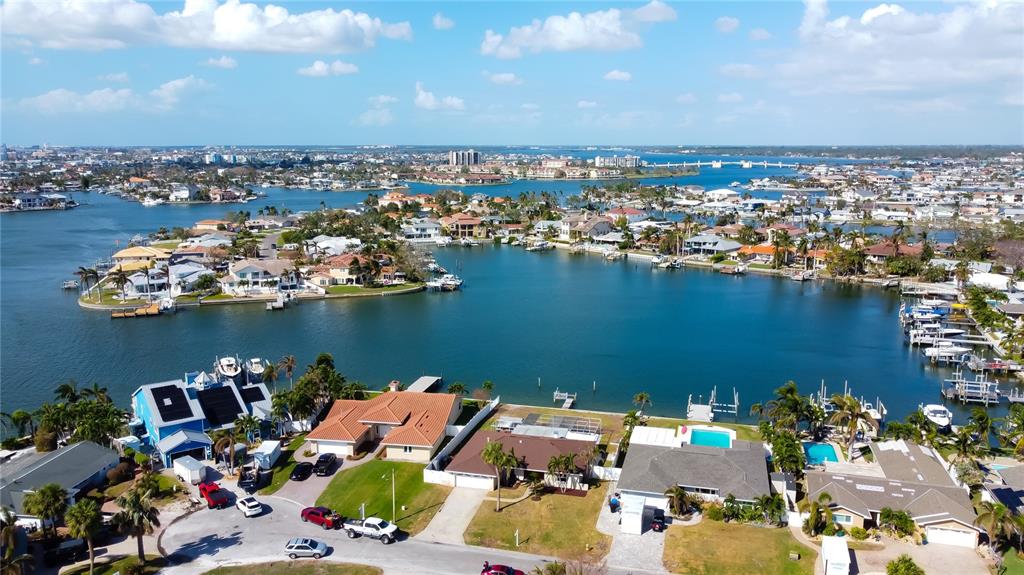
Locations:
column 325, row 464
column 658, row 521
column 302, row 471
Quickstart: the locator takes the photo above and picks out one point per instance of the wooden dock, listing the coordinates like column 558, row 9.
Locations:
column 568, row 399
column 980, row 390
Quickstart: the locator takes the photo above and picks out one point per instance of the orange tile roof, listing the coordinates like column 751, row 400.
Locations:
column 419, row 419
column 758, row 250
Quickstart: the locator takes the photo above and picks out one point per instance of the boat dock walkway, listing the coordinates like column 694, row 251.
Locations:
column 424, row 383
column 567, row 399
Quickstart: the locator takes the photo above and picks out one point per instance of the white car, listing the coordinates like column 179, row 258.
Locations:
column 249, row 506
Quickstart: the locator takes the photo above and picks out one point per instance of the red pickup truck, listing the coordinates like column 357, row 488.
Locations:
column 214, row 495
column 322, row 516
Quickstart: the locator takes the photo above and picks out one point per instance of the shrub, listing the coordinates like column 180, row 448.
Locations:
column 11, row 443
column 903, row 565
column 141, row 459
column 716, row 258
column 934, row 274
column 129, row 453
column 830, row 530
column 45, row 440
column 859, row 533
column 715, row 513
column 132, row 566
column 119, row 474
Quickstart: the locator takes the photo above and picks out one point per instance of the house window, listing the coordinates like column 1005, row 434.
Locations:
column 842, row 518
column 407, row 449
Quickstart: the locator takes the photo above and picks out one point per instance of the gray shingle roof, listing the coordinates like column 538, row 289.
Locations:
column 68, row 467
column 741, row 470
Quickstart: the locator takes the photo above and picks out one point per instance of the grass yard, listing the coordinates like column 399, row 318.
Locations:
column 297, row 568
column 718, row 548
column 106, row 297
column 335, row 290
column 559, row 525
column 1012, row 563
column 166, row 245
column 370, row 483
column 154, row 563
column 284, row 466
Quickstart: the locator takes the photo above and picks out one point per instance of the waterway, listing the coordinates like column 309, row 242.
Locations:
column 572, row 321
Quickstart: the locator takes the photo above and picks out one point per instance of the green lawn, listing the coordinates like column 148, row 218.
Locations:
column 743, row 432
column 104, row 567
column 1012, row 563
column 718, row 548
column 560, row 525
column 107, row 298
column 364, row 290
column 297, row 568
column 370, row 483
column 167, row 245
column 284, row 466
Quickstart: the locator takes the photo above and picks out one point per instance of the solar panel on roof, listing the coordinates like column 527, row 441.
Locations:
column 171, row 403
column 219, row 405
column 251, row 394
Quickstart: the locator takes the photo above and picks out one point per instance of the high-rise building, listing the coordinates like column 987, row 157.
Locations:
column 617, row 161
column 463, row 158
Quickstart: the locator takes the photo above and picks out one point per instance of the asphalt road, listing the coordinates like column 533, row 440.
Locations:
column 211, row 538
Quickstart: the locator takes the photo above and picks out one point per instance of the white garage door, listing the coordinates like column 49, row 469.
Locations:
column 474, row 482
column 340, row 449
column 960, row 538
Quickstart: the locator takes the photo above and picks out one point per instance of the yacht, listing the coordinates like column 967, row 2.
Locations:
column 443, row 241
column 447, row 282
column 937, row 414
column 467, row 243
column 657, row 260
column 70, row 284
column 150, row 202
column 540, row 245
column 254, row 368
column 228, row 367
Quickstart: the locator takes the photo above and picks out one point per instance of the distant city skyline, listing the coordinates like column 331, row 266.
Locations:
column 234, row 72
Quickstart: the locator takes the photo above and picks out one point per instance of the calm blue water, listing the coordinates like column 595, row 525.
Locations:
column 572, row 321
column 819, row 453
column 710, row 438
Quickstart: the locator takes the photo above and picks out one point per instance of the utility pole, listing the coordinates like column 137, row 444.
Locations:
column 393, row 514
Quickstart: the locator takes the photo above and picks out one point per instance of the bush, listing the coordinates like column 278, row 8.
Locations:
column 11, row 443
column 830, row 530
column 132, row 566
column 903, row 565
column 141, row 459
column 859, row 533
column 45, row 440
column 934, row 274
column 716, row 258
column 119, row 474
column 715, row 513
column 129, row 453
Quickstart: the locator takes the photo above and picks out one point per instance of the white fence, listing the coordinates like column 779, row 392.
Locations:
column 466, row 430
column 607, row 473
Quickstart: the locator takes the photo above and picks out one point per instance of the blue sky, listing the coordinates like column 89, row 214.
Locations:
column 123, row 72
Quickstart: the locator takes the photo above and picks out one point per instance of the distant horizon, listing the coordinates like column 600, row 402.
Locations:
column 518, row 145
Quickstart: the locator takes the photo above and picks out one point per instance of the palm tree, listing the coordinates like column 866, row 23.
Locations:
column 550, row 568
column 803, row 246
column 279, row 409
column 962, row 273
column 137, row 517
column 20, row 420
column 457, row 388
column 781, row 243
column 488, row 387
column 47, row 503
column 771, row 507
column 965, row 447
column 84, row 521
column 270, row 375
column 287, row 363
column 11, row 564
column 85, row 276
column 982, row 423
column 68, row 391
column 849, row 413
column 120, row 279
column 819, row 513
column 996, row 520
column 679, row 500
column 225, row 440
column 248, row 425
column 96, row 392
column 642, row 400
column 494, row 454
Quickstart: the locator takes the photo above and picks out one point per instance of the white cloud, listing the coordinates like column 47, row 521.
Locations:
column 890, row 49
column 1013, row 99
column 35, row 61
column 726, row 119
column 760, row 34
column 376, row 117
column 730, row 98
column 381, row 100
column 168, row 94
column 687, row 98
column 442, row 23
column 224, row 62
column 655, row 11
column 64, row 101
column 585, row 104
column 618, row 75
column 210, row 24
column 335, row 68
column 602, row 31
column 504, row 78
column 740, row 71
column 530, row 107
column 120, row 77
column 921, row 106
column 428, row 101
column 727, row 24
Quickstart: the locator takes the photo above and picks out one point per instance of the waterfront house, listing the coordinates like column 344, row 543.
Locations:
column 270, row 222
column 463, row 225
column 710, row 244
column 147, row 282
column 421, row 230
column 183, row 276
column 882, row 251
column 78, row 468
column 337, row 270
column 331, row 245
column 632, row 215
column 545, row 228
column 410, row 425
column 141, row 254
column 260, row 276
column 208, row 240
column 533, row 453
column 907, row 477
column 212, row 225
column 590, row 228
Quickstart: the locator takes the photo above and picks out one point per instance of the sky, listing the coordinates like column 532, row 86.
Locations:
column 236, row 72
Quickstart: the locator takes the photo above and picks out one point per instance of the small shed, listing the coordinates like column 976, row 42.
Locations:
column 631, row 517
column 266, row 454
column 835, row 556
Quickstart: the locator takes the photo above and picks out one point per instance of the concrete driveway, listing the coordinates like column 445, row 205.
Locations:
column 454, row 517
column 932, row 558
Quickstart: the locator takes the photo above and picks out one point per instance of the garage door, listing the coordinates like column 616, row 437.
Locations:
column 341, row 449
column 960, row 538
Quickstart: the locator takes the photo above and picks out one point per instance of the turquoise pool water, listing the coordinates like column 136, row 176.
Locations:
column 710, row 438
column 819, row 453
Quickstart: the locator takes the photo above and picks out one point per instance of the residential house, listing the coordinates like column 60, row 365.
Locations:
column 421, row 230
column 882, row 251
column 337, row 270
column 533, row 453
column 78, row 468
column 260, row 276
column 463, row 225
column 331, row 245
column 410, row 425
column 212, row 225
column 710, row 244
column 632, row 215
column 908, row 477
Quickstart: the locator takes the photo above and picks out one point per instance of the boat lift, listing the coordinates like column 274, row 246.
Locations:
column 567, row 399
column 966, row 391
column 700, row 411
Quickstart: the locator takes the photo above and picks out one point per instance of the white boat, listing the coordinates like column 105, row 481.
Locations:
column 434, row 268
column 937, row 414
column 657, row 260
column 447, row 282
column 254, row 368
column 228, row 367
column 540, row 245
column 150, row 202
column 672, row 264
column 933, row 303
column 467, row 243
column 443, row 241
column 612, row 255
column 800, row 276
column 70, row 284
column 946, row 350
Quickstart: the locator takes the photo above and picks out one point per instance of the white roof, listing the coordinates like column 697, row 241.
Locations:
column 267, row 447
column 657, row 436
column 834, row 549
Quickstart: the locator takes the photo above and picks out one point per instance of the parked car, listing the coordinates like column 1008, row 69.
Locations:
column 249, row 506
column 68, row 551
column 215, row 496
column 304, row 547
column 302, row 471
column 325, row 464
column 250, row 480
column 499, row 570
column 321, row 516
column 658, row 521
column 373, row 527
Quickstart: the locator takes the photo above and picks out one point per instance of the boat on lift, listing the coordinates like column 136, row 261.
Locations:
column 937, row 414
column 540, row 246
column 228, row 367
column 254, row 368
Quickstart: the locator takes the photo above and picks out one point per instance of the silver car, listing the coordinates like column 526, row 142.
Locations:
column 304, row 547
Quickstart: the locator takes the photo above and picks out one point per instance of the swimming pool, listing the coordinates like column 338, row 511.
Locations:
column 819, row 453
column 710, row 438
